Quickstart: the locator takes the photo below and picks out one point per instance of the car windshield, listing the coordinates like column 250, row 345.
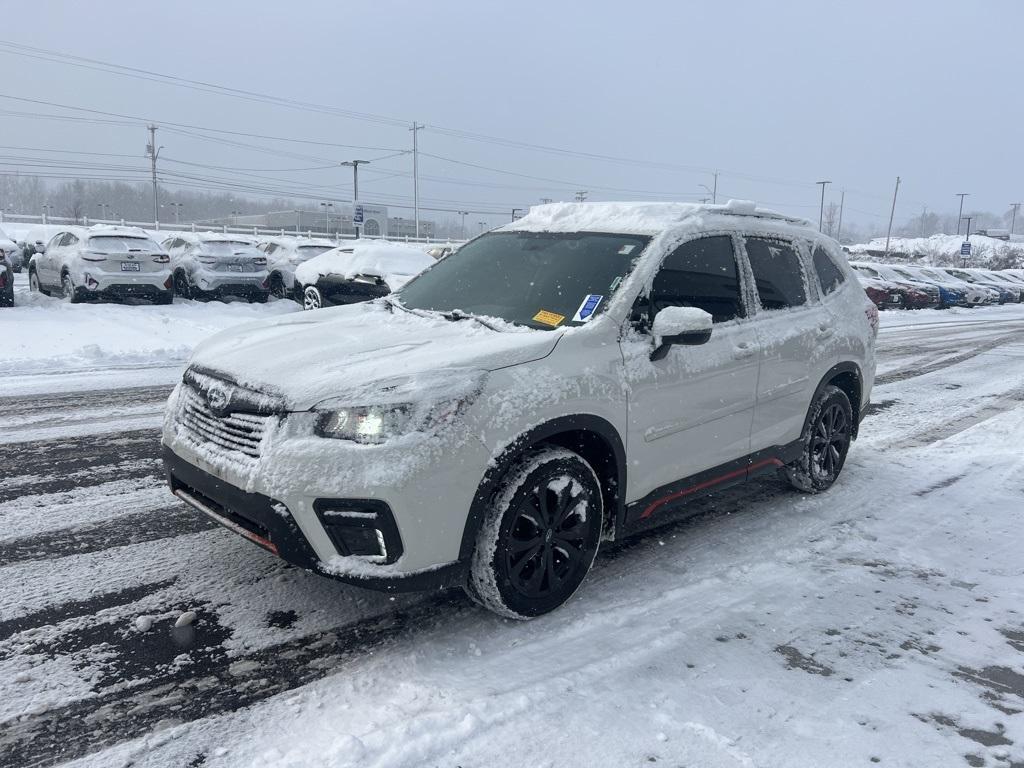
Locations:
column 865, row 270
column 309, row 251
column 538, row 279
column 904, row 273
column 121, row 244
column 229, row 248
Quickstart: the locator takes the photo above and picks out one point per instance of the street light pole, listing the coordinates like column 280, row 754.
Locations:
column 842, row 202
column 1013, row 218
column 355, row 188
column 821, row 212
column 416, row 128
column 463, row 215
column 892, row 213
column 960, row 215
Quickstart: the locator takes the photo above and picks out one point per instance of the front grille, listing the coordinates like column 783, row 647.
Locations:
column 236, row 432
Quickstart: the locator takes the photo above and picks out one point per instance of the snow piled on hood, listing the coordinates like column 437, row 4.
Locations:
column 395, row 263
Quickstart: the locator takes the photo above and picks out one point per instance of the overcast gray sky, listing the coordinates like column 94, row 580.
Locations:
column 775, row 95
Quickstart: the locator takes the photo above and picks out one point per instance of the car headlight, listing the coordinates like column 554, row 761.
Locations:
column 416, row 403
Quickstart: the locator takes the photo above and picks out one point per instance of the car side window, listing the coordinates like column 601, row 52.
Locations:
column 778, row 273
column 830, row 276
column 700, row 273
column 70, row 239
column 56, row 241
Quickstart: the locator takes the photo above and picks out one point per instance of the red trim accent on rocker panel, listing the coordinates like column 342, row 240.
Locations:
column 707, row 484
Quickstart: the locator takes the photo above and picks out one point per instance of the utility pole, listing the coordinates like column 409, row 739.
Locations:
column 153, row 152
column 416, row 128
column 581, row 195
column 714, row 192
column 892, row 213
column 842, row 202
column 924, row 212
column 1013, row 218
column 960, row 215
column 821, row 211
column 546, row 200
column 463, row 214
column 515, row 211
column 355, row 188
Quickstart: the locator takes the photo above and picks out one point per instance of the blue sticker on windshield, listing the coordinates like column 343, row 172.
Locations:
column 587, row 308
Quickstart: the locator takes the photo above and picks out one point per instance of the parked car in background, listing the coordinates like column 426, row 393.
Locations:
column 210, row 265
column 6, row 279
column 950, row 295
column 11, row 250
column 359, row 271
column 102, row 262
column 912, row 295
column 284, row 254
column 35, row 241
column 1007, row 281
column 975, row 278
column 573, row 377
column 974, row 295
column 883, row 294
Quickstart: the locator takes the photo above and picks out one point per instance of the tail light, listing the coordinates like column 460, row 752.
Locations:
column 162, row 258
column 872, row 312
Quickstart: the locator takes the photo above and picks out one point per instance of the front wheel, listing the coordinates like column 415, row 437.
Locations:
column 539, row 535
column 311, row 298
column 826, row 441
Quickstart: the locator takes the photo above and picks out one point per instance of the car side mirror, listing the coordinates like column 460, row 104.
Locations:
column 689, row 326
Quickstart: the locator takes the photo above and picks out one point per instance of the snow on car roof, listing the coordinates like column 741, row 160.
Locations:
column 112, row 230
column 638, row 218
column 395, row 263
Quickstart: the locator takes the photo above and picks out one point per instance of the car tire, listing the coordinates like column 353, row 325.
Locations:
column 825, row 442
column 67, row 290
column 33, row 283
column 539, row 535
column 277, row 286
column 182, row 285
column 312, row 298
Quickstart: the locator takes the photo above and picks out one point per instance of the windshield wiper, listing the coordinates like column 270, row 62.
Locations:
column 457, row 314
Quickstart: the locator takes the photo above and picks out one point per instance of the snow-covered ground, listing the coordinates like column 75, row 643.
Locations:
column 939, row 249
column 879, row 623
column 46, row 343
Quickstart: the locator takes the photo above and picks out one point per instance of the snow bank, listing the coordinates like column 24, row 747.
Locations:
column 41, row 334
column 395, row 263
column 942, row 250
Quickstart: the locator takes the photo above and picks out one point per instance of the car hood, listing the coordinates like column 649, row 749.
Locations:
column 306, row 358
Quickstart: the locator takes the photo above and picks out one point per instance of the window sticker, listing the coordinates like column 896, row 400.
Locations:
column 627, row 249
column 549, row 318
column 587, row 308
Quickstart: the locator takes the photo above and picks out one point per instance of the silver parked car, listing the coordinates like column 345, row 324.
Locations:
column 102, row 262
column 209, row 265
column 572, row 377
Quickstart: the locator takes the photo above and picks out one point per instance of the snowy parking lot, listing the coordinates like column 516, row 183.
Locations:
column 879, row 623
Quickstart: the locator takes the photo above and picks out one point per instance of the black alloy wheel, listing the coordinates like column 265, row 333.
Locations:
column 535, row 548
column 826, row 442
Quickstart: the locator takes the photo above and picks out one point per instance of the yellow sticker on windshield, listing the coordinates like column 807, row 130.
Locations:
column 549, row 318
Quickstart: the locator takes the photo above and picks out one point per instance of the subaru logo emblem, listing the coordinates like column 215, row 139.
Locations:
column 218, row 398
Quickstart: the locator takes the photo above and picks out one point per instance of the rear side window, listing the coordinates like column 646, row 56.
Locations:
column 701, row 273
column 830, row 276
column 778, row 273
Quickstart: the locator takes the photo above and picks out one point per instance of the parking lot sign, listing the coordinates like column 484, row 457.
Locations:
column 357, row 214
column 965, row 249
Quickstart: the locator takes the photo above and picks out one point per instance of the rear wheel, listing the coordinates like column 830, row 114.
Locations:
column 67, row 289
column 826, row 441
column 539, row 536
column 182, row 285
column 34, row 285
column 311, row 298
column 277, row 286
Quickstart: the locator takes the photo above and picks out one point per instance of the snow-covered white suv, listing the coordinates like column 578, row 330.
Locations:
column 213, row 265
column 572, row 377
column 102, row 262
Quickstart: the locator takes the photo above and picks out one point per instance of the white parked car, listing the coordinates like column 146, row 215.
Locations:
column 210, row 265
column 284, row 254
column 358, row 271
column 102, row 262
column 569, row 378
